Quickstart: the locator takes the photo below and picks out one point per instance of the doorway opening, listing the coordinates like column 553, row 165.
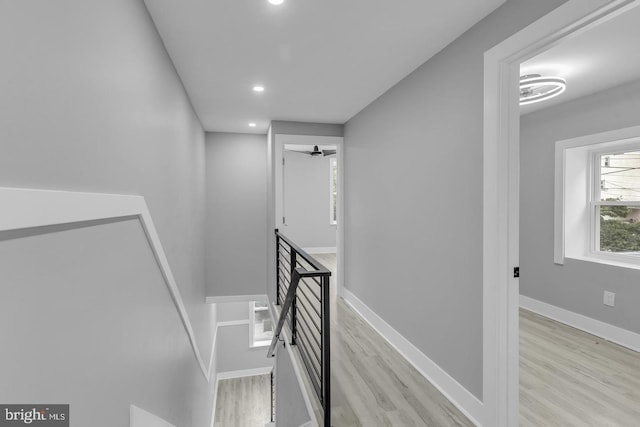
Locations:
column 502, row 226
column 308, row 197
column 573, row 344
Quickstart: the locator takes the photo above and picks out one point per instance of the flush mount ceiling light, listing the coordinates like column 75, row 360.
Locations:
column 535, row 88
column 276, row 2
column 258, row 88
column 252, row 125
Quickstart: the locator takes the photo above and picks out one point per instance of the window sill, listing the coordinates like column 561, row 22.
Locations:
column 608, row 261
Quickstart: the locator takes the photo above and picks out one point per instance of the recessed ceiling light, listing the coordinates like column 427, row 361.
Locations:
column 258, row 88
column 536, row 88
column 252, row 125
column 276, row 2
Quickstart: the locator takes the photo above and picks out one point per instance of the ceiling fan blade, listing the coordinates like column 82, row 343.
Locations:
column 328, row 152
column 297, row 151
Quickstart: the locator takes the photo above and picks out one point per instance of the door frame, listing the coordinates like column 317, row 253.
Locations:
column 279, row 140
column 501, row 193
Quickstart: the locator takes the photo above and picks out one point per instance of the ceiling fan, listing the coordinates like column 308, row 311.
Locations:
column 316, row 152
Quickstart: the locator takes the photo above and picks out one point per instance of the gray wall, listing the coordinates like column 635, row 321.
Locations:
column 229, row 311
column 91, row 323
column 236, row 212
column 413, row 198
column 233, row 352
column 232, row 341
column 291, row 410
column 577, row 286
column 91, row 102
column 279, row 127
column 306, row 198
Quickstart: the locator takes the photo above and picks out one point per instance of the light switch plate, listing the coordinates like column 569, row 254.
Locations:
column 609, row 298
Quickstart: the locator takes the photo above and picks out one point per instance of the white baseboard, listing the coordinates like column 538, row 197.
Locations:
column 244, row 373
column 236, row 298
column 320, row 250
column 615, row 334
column 466, row 402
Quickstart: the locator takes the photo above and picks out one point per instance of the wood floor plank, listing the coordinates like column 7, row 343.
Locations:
column 571, row 378
column 244, row 402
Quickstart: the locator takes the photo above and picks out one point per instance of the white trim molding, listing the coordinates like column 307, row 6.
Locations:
column 244, row 373
column 501, row 194
column 466, row 402
column 236, row 298
column 28, row 208
column 606, row 331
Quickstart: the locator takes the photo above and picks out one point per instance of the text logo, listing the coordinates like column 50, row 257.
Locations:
column 34, row 415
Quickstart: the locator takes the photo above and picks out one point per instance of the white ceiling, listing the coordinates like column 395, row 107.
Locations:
column 598, row 59
column 320, row 61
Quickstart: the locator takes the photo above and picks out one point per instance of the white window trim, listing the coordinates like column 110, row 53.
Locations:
column 252, row 321
column 574, row 187
column 332, row 161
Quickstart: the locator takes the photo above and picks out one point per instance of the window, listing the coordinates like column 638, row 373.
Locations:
column 260, row 324
column 616, row 202
column 333, row 191
column 597, row 202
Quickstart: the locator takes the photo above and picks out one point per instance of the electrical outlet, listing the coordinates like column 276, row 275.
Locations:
column 609, row 298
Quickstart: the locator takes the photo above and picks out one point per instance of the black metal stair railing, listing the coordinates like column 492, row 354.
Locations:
column 302, row 291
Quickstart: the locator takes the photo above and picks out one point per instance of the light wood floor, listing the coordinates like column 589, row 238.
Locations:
column 571, row 378
column 244, row 402
column 372, row 384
